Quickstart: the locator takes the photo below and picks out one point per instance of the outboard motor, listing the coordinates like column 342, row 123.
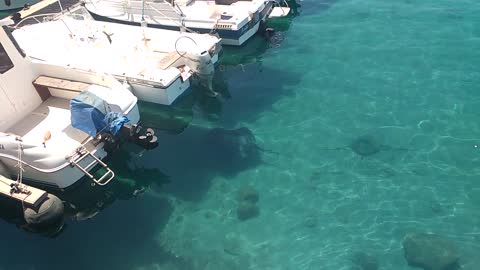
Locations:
column 94, row 116
column 135, row 133
column 204, row 69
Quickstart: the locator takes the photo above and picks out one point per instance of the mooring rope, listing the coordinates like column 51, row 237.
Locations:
column 181, row 25
column 19, row 163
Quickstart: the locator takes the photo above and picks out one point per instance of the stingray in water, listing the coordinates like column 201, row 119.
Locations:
column 235, row 145
column 239, row 142
column 367, row 145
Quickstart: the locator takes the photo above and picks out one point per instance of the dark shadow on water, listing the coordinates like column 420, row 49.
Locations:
column 174, row 118
column 246, row 85
column 246, row 91
column 122, row 237
column 185, row 152
column 111, row 227
column 252, row 51
column 192, row 159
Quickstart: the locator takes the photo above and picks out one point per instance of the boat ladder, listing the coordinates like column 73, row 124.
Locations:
column 80, row 154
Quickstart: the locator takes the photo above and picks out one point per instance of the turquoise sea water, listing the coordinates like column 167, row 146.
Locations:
column 403, row 72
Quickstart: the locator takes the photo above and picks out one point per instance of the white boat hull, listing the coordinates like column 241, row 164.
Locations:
column 201, row 17
column 36, row 126
column 66, row 175
column 156, row 63
column 165, row 96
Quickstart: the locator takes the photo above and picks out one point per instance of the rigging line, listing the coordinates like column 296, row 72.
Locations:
column 181, row 25
column 19, row 163
column 1, row 181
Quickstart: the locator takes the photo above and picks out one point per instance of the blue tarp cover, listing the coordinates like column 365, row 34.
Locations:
column 92, row 115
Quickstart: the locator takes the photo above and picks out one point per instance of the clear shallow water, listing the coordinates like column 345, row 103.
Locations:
column 404, row 72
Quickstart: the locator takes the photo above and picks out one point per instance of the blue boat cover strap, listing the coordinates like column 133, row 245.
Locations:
column 115, row 122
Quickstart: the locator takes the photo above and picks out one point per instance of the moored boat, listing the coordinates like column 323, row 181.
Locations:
column 159, row 64
column 36, row 118
column 235, row 21
column 56, row 126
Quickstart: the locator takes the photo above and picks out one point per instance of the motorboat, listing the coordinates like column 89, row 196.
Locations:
column 42, row 122
column 160, row 65
column 235, row 21
column 57, row 125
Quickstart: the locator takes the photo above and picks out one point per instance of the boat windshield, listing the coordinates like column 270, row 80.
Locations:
column 79, row 13
column 5, row 61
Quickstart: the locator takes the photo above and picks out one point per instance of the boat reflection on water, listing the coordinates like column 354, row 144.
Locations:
column 253, row 50
column 84, row 201
column 172, row 119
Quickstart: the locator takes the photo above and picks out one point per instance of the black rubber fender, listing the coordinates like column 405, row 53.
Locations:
column 50, row 212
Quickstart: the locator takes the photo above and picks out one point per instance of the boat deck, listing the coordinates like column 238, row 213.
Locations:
column 209, row 9
column 52, row 116
column 123, row 53
column 33, row 197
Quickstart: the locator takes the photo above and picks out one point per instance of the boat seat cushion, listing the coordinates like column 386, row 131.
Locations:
column 52, row 116
column 49, row 86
